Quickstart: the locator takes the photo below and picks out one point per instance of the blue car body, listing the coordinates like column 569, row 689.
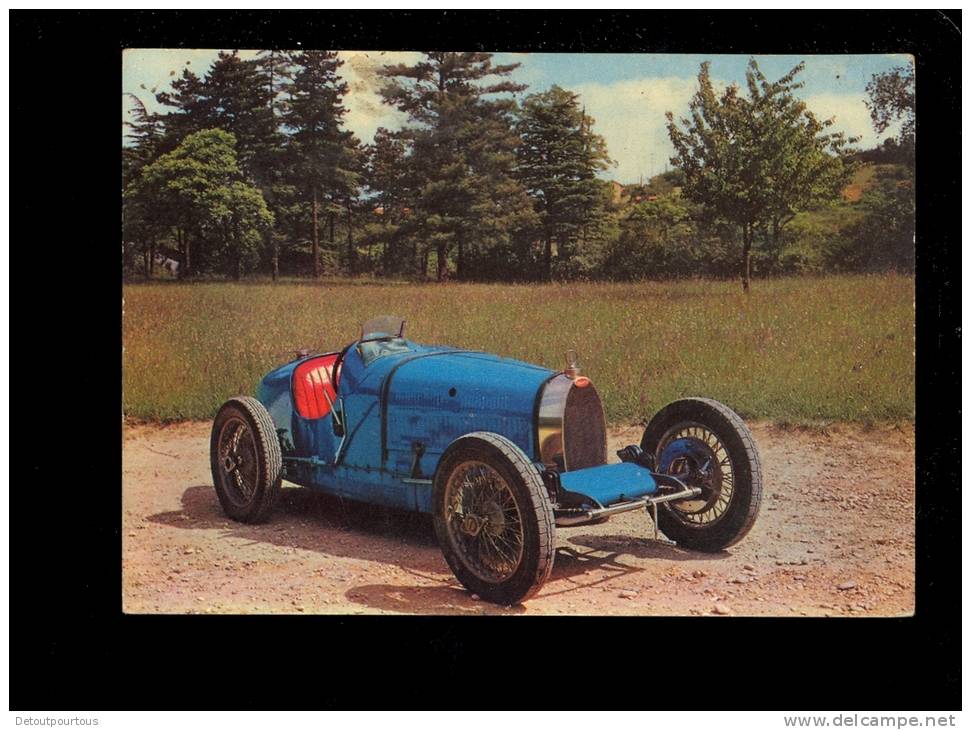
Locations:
column 401, row 404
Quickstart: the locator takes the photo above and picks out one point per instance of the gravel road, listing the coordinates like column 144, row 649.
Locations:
column 835, row 537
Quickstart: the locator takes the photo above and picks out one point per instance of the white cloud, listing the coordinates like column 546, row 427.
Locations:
column 365, row 110
column 630, row 117
column 850, row 115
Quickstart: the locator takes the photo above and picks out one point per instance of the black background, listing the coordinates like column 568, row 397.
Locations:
column 72, row 648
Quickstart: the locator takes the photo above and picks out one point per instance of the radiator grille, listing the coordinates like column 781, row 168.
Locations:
column 584, row 429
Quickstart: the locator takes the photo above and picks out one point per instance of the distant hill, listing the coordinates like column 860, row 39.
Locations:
column 667, row 183
column 864, row 178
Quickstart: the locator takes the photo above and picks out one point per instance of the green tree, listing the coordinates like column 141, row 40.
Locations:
column 237, row 99
column 233, row 95
column 890, row 99
column 657, row 239
column 199, row 189
column 142, row 139
column 239, row 218
column 323, row 157
column 188, row 106
column 276, row 72
column 558, row 158
column 463, row 145
column 243, row 98
column 884, row 238
column 387, row 178
column 757, row 160
column 143, row 226
column 141, row 229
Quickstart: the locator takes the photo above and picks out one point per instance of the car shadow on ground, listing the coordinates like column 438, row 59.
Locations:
column 645, row 548
column 454, row 599
column 440, row 600
column 309, row 520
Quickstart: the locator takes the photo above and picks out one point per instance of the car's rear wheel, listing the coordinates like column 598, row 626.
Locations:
column 493, row 518
column 245, row 458
column 706, row 444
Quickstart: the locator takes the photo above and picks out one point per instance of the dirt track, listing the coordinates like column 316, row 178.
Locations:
column 835, row 537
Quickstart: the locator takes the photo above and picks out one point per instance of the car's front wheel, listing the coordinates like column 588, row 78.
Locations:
column 705, row 444
column 246, row 462
column 493, row 518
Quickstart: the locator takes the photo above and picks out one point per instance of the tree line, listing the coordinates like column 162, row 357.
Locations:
column 250, row 168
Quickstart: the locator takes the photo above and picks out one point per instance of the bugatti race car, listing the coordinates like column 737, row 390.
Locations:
column 499, row 451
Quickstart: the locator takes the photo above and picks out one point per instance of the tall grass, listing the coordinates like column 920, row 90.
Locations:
column 797, row 350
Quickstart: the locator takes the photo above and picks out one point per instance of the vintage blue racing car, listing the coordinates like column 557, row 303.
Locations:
column 499, row 451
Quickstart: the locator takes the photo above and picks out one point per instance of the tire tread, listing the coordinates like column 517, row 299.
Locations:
column 264, row 431
column 742, row 522
column 542, row 510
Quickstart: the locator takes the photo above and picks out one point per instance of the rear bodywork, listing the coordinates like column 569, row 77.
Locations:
column 399, row 406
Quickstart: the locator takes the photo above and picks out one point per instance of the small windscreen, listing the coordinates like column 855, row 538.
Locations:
column 382, row 328
column 371, row 350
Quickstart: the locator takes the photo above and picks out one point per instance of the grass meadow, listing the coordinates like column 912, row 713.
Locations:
column 798, row 351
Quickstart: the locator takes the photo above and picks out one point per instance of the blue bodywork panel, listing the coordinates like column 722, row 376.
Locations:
column 392, row 400
column 610, row 483
column 435, row 399
column 402, row 405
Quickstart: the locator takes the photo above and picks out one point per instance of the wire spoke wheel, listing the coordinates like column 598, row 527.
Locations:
column 238, row 465
column 493, row 518
column 706, row 445
column 483, row 521
column 701, row 461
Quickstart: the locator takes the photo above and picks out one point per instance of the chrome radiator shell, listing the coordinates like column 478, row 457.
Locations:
column 570, row 424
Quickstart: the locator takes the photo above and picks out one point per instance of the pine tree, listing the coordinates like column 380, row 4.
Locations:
column 463, row 152
column 140, row 228
column 559, row 157
column 276, row 71
column 350, row 174
column 142, row 140
column 233, row 96
column 386, row 177
column 237, row 100
column 321, row 151
column 189, row 106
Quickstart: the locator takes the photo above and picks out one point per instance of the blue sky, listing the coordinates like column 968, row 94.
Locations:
column 627, row 94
